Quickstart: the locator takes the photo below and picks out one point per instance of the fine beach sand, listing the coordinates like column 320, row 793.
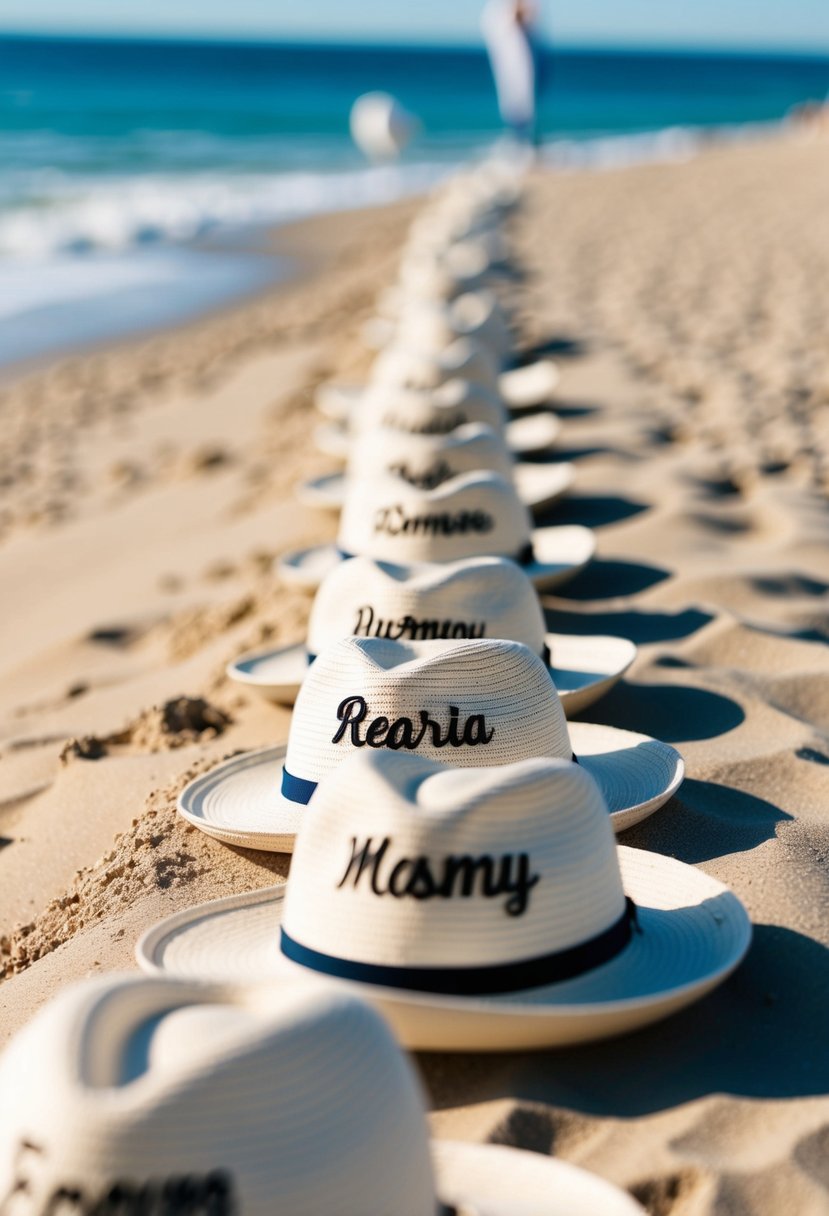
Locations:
column 145, row 490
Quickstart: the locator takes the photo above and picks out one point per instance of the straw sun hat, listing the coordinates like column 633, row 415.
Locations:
column 479, row 597
column 425, row 409
column 140, row 1095
column 468, row 703
column 424, row 325
column 480, row 909
column 428, row 460
column 400, row 367
column 471, row 515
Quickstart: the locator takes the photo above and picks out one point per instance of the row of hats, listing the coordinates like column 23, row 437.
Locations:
column 453, row 832
column 455, row 864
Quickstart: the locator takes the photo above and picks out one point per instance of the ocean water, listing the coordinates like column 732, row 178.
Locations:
column 130, row 171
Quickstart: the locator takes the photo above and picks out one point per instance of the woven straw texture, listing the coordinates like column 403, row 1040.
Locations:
column 473, row 515
column 228, row 1082
column 503, row 681
column 548, row 810
column 478, row 597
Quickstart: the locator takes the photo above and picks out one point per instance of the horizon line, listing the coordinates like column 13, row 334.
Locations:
column 423, row 42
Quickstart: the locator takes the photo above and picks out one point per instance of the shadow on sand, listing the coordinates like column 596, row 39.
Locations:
column 592, row 510
column 639, row 625
column 609, row 578
column 761, row 1035
column 674, row 713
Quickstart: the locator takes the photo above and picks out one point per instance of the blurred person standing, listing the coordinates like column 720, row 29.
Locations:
column 507, row 27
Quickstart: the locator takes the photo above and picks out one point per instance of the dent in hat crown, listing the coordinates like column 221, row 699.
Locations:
column 425, row 460
column 471, row 515
column 407, row 864
column 478, row 597
column 465, row 703
column 134, row 1094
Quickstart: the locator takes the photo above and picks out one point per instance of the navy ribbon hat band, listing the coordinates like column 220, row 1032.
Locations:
column 524, row 557
column 476, row 981
column 297, row 789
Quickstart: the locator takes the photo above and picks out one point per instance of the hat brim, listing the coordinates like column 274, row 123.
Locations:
column 240, row 801
column 503, row 1181
column 559, row 553
column 583, row 669
column 527, row 387
column 522, row 388
column 539, row 487
column 693, row 933
column 528, row 436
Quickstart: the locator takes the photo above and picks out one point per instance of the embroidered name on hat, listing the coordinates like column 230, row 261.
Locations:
column 210, row 1194
column 435, row 426
column 369, row 625
column 453, row 876
column 402, row 732
column 393, row 521
column 429, row 479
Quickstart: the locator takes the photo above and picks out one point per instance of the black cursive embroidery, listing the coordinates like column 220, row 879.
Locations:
column 210, row 1194
column 395, row 522
column 369, row 625
column 429, row 479
column 436, row 425
column 422, row 878
column 402, row 733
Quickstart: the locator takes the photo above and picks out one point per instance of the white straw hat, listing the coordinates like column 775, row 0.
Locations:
column 440, row 275
column 427, row 460
column 403, row 366
column 479, row 597
column 398, row 368
column 483, row 909
column 438, row 411
column 429, row 327
column 472, row 515
column 137, row 1094
column 470, row 702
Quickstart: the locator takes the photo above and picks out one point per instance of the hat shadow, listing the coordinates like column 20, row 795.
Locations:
column 564, row 346
column 569, row 454
column 608, row 578
column 591, row 510
column 674, row 713
column 575, row 409
column 760, row 1035
column 639, row 625
column 705, row 820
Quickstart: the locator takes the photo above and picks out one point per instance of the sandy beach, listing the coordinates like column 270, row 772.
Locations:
column 147, row 488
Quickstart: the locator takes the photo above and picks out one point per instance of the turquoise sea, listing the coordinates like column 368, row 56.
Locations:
column 132, row 172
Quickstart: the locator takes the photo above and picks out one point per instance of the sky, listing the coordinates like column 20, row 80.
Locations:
column 769, row 24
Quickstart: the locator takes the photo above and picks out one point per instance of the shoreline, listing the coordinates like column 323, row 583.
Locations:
column 232, row 267
column 150, row 487
column 288, row 245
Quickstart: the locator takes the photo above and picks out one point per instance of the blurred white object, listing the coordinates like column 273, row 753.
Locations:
column 380, row 127
column 505, row 27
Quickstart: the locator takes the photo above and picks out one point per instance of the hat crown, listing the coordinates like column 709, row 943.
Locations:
column 405, row 863
column 471, row 515
column 430, row 409
column 427, row 460
column 465, row 703
column 224, row 1127
column 428, row 364
column 481, row 597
